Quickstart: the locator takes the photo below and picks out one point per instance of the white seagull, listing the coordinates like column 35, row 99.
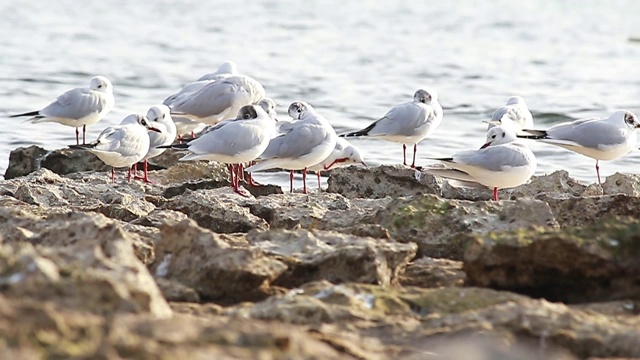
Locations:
column 600, row 139
column 501, row 163
column 158, row 117
column 122, row 145
column 306, row 141
column 232, row 142
column 343, row 154
column 407, row 123
column 515, row 110
column 78, row 107
column 219, row 100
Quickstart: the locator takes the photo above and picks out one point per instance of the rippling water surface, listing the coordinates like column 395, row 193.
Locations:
column 352, row 60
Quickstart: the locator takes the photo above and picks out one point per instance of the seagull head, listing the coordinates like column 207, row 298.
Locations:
column 142, row 120
column 249, row 112
column 101, row 83
column 425, row 96
column 629, row 118
column 269, row 106
column 297, row 109
column 501, row 134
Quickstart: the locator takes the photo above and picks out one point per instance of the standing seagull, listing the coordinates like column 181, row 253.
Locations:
column 219, row 100
column 515, row 110
column 227, row 69
column 232, row 142
column 78, row 107
column 158, row 117
column 501, row 163
column 599, row 139
column 407, row 123
column 344, row 154
column 306, row 141
column 122, row 145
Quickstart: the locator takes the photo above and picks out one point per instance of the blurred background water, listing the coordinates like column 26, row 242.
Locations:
column 352, row 60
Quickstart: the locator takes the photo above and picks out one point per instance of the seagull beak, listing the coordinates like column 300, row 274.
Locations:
column 154, row 129
column 364, row 164
column 485, row 145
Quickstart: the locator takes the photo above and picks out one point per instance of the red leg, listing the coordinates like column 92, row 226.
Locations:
column 319, row 187
column 77, row 137
column 84, row 134
column 146, row 173
column 291, row 181
column 179, row 139
column 415, row 149
column 241, row 171
column 304, row 180
column 113, row 174
column 404, row 154
column 193, row 135
column 236, row 185
column 495, row 194
column 598, row 172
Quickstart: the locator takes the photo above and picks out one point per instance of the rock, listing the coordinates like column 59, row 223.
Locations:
column 190, row 171
column 23, row 161
column 401, row 318
column 591, row 263
column 219, row 273
column 175, row 291
column 81, row 261
column 381, row 181
column 440, row 226
column 628, row 184
column 320, row 211
column 324, row 255
column 217, row 210
column 578, row 211
column 68, row 161
column 429, row 272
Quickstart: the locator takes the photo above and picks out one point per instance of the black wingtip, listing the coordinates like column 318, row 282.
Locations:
column 363, row 132
column 533, row 134
column 82, row 147
column 30, row 113
column 174, row 146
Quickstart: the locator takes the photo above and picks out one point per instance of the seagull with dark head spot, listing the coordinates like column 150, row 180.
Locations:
column 407, row 123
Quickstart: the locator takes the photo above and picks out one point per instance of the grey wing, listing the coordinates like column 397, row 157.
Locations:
column 213, row 99
column 592, row 133
column 227, row 140
column 493, row 158
column 297, row 142
column 74, row 104
column 402, row 120
column 110, row 138
column 185, row 92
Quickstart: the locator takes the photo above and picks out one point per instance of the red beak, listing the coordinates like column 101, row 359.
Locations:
column 485, row 145
column 154, row 129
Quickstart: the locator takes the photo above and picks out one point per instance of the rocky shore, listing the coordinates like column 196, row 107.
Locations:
column 389, row 263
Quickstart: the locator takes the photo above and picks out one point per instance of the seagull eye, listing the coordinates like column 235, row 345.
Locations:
column 99, row 86
column 493, row 136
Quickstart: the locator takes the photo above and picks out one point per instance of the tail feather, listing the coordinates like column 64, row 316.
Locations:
column 84, row 146
column 30, row 113
column 183, row 146
column 533, row 134
column 363, row 132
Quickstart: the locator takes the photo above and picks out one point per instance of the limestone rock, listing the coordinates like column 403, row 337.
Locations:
column 440, row 226
column 203, row 261
column 323, row 255
column 23, row 161
column 628, row 184
column 429, row 272
column 585, row 210
column 591, row 263
column 81, row 261
column 381, row 181
column 216, row 210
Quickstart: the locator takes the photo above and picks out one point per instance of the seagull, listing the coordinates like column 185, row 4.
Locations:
column 269, row 106
column 343, row 154
column 219, row 100
column 407, row 123
column 232, row 142
column 598, row 138
column 78, row 107
column 227, row 69
column 122, row 145
column 501, row 163
column 306, row 141
column 515, row 110
column 160, row 118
